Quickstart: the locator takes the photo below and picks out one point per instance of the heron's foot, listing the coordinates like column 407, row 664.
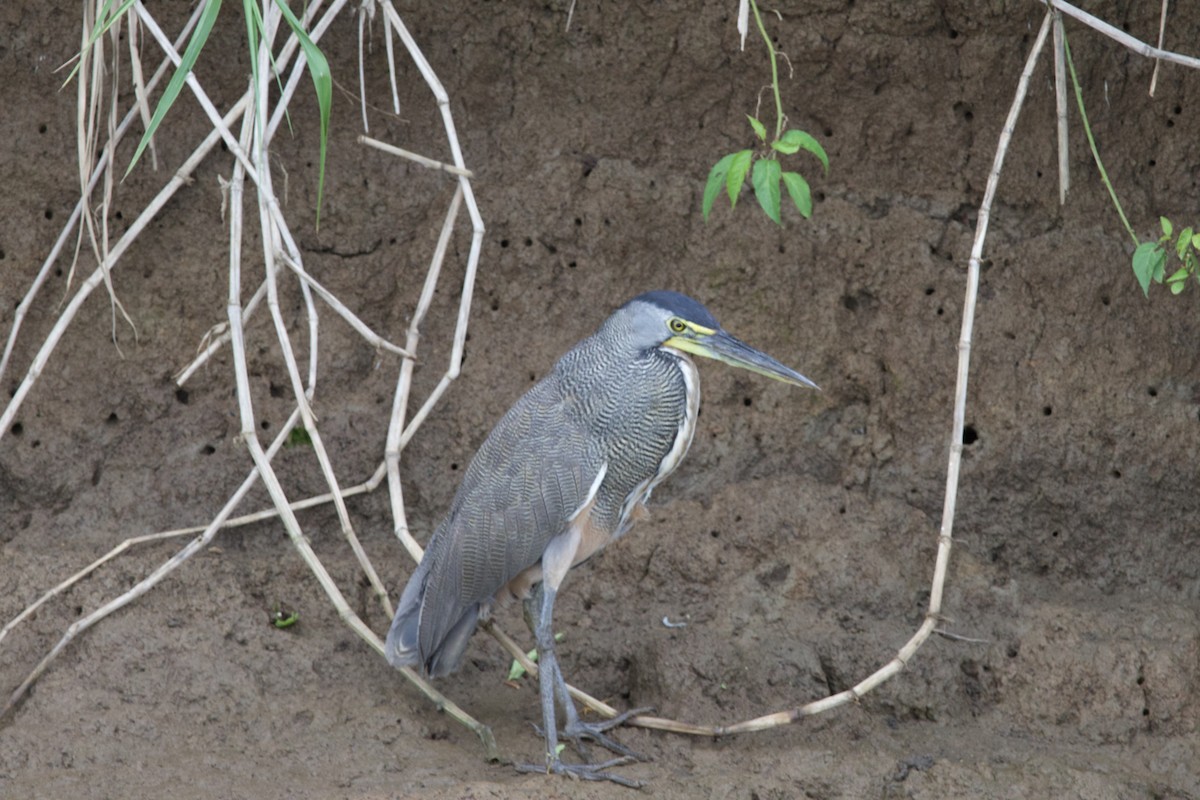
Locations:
column 576, row 730
column 586, row 772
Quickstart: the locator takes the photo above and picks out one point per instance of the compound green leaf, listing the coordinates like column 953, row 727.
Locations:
column 798, row 190
column 1147, row 259
column 716, row 179
column 765, row 179
column 1167, row 228
column 738, row 167
column 1185, row 239
column 795, row 140
column 759, row 128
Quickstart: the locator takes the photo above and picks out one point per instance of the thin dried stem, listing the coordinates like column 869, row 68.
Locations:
column 1123, row 38
column 1162, row 30
column 1060, row 106
column 89, row 186
column 420, row 159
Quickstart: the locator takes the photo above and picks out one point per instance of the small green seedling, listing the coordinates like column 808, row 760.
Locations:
column 1150, row 258
column 767, row 176
column 766, row 173
column 516, row 671
column 282, row 618
column 298, row 437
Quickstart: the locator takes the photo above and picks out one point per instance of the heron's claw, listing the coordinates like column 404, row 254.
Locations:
column 577, row 730
column 587, row 772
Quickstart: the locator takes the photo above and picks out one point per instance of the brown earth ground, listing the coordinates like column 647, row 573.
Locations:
column 798, row 538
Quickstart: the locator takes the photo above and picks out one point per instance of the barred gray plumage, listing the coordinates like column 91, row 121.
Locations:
column 561, row 475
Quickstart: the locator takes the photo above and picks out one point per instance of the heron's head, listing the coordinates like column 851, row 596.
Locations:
column 676, row 321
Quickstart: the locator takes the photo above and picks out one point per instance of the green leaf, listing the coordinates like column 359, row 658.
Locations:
column 1196, row 241
column 1166, row 226
column 322, row 79
column 716, row 179
column 1180, row 274
column 516, row 671
column 298, row 437
column 195, row 44
column 1176, row 288
column 1185, row 238
column 794, row 140
column 766, row 186
column 759, row 128
column 797, row 189
column 1147, row 259
column 738, row 167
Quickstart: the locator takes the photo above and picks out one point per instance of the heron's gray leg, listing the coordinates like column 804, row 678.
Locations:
column 550, row 680
column 575, row 728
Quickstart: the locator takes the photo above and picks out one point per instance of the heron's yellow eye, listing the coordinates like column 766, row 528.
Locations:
column 677, row 325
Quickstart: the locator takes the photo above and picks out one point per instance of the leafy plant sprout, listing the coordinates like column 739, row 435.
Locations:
column 766, row 174
column 1149, row 257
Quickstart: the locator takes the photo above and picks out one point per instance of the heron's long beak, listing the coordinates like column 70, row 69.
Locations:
column 722, row 346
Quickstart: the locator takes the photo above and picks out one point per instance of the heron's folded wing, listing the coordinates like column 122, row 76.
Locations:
column 532, row 474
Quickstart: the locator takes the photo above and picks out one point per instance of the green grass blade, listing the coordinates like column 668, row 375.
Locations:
column 765, row 179
column 716, row 179
column 322, row 79
column 798, row 190
column 739, row 165
column 254, row 25
column 195, row 44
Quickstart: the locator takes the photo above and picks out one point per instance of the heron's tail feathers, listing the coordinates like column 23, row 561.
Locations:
column 444, row 652
column 401, row 648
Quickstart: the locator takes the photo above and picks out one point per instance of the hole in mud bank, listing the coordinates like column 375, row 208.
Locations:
column 48, row 213
column 17, row 429
column 929, row 290
column 1012, row 651
column 747, row 402
column 1116, row 473
column 504, row 242
column 1047, row 411
column 970, row 435
column 265, row 425
column 182, row 396
column 208, row 450
column 1152, row 391
column 715, row 534
column 454, row 467
column 112, row 419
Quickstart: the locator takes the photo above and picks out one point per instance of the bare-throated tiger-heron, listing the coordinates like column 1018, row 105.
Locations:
column 565, row 472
